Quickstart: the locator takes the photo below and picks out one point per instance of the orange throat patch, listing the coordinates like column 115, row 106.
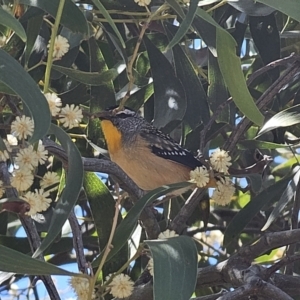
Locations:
column 112, row 136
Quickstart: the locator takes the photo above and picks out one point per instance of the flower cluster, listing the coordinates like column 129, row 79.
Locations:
column 70, row 116
column 81, row 287
column 61, row 47
column 167, row 234
column 121, row 286
column 142, row 2
column 220, row 161
column 24, row 160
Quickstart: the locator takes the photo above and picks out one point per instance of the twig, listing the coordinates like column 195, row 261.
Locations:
column 78, row 243
column 280, row 62
column 186, row 211
column 107, row 248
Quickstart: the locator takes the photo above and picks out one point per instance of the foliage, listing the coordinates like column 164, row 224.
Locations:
column 222, row 76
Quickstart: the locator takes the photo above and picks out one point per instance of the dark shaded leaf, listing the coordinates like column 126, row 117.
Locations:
column 285, row 198
column 170, row 101
column 288, row 7
column 246, row 214
column 72, row 16
column 17, row 262
column 9, row 21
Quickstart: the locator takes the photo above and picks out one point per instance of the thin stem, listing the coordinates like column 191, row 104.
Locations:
column 52, row 41
column 107, row 249
column 135, row 53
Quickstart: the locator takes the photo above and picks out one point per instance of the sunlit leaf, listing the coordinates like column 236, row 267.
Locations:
column 287, row 117
column 175, row 267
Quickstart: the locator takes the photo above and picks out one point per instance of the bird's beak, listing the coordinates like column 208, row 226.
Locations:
column 104, row 115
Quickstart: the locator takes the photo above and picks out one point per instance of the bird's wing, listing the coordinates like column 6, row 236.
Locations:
column 164, row 146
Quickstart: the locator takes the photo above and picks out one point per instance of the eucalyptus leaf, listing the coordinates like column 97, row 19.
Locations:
column 287, row 117
column 71, row 191
column 17, row 79
column 175, row 267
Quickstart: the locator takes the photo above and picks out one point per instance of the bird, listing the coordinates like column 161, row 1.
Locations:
column 148, row 156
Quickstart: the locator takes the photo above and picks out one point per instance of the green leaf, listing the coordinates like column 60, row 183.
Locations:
column 9, row 21
column 110, row 21
column 285, row 198
column 230, row 66
column 175, row 5
column 72, row 16
column 247, row 213
column 185, row 24
column 288, row 7
column 256, row 144
column 71, row 191
column 15, row 78
column 128, row 224
column 175, row 267
column 287, row 117
column 91, row 78
column 17, row 262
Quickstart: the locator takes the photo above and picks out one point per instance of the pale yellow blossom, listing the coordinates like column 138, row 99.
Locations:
column 71, row 116
column 27, row 158
column 142, row 2
column 61, row 47
column 220, row 161
column 200, row 176
column 223, row 193
column 22, row 179
column 22, row 127
column 81, row 287
column 150, row 266
column 41, row 154
column 121, row 286
column 54, row 103
column 38, row 201
column 49, row 179
column 2, row 190
column 167, row 234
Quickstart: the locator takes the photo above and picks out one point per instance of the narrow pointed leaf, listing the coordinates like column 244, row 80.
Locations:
column 71, row 191
column 91, row 78
column 287, row 117
column 19, row 263
column 185, row 24
column 169, row 96
column 72, row 16
column 9, row 21
column 285, row 198
column 175, row 267
column 17, row 79
column 288, row 7
column 230, row 66
column 246, row 214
